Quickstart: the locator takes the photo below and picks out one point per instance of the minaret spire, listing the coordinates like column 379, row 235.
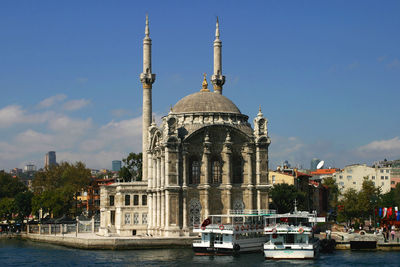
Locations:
column 147, row 79
column 147, row 31
column 217, row 78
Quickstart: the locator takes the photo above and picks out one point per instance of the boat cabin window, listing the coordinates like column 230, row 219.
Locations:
column 205, row 237
column 227, row 238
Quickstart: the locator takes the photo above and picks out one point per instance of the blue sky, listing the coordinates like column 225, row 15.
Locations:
column 326, row 74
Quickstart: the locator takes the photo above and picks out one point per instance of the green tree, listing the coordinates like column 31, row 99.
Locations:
column 56, row 188
column 10, row 186
column 333, row 191
column 7, row 208
column 366, row 197
column 133, row 164
column 125, row 174
column 283, row 197
column 23, row 204
column 349, row 204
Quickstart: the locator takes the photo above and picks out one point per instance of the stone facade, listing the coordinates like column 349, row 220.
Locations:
column 124, row 209
column 204, row 158
column 352, row 176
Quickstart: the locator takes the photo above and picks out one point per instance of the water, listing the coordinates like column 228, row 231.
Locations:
column 27, row 253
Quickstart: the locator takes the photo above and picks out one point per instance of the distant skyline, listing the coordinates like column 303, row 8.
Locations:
column 326, row 75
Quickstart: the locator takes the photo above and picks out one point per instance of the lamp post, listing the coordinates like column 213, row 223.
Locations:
column 373, row 201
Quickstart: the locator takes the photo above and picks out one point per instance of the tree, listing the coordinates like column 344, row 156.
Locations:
column 56, row 188
column 349, row 209
column 23, row 204
column 7, row 208
column 133, row 165
column 333, row 191
column 283, row 197
column 366, row 198
column 10, row 186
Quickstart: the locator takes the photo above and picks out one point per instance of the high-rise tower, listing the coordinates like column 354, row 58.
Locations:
column 50, row 159
column 217, row 78
column 147, row 79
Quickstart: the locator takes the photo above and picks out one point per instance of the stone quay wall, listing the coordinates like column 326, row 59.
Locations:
column 91, row 241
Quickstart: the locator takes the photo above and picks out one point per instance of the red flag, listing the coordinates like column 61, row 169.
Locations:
column 390, row 212
column 206, row 222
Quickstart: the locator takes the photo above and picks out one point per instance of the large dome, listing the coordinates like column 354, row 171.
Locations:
column 205, row 102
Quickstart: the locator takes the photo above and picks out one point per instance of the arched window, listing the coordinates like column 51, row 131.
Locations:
column 194, row 175
column 237, row 164
column 216, row 172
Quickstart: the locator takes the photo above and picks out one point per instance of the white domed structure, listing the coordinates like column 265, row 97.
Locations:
column 204, row 158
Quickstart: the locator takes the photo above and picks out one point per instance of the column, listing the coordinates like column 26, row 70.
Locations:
column 162, row 209
column 150, row 170
column 166, row 210
column 162, row 161
column 184, row 212
column 229, row 203
column 154, row 183
column 258, row 166
column 206, row 199
column 158, row 209
column 166, row 163
column 258, row 199
column 154, row 210
column 158, row 172
column 184, row 174
column 149, row 211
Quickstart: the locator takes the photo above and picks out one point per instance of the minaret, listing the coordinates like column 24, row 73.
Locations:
column 217, row 78
column 147, row 79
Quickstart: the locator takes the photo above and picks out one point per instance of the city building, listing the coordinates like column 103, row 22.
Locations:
column 353, row 176
column 314, row 163
column 50, row 159
column 394, row 166
column 277, row 177
column 116, row 165
column 29, row 168
column 204, row 158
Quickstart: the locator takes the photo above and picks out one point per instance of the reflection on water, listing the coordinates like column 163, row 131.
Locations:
column 27, row 253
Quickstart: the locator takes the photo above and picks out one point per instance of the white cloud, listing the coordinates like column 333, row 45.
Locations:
column 82, row 80
column 50, row 101
column 70, row 126
column 381, row 58
column 352, row 66
column 120, row 112
column 76, row 104
column 11, row 115
column 393, row 64
column 14, row 114
column 382, row 146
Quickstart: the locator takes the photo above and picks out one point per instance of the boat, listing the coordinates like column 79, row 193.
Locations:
column 290, row 235
column 239, row 231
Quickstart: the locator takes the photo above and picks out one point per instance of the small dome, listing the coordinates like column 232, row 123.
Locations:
column 205, row 102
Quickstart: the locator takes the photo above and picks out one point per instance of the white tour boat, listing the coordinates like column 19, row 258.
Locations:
column 237, row 232
column 290, row 235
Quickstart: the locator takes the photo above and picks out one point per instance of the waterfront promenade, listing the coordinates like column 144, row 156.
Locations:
column 94, row 241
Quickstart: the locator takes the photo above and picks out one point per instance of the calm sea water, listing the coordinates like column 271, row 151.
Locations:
column 27, row 253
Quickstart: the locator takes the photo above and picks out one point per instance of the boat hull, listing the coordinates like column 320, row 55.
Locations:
column 298, row 254
column 238, row 249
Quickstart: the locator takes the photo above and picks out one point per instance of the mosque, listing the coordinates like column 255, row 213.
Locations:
column 205, row 158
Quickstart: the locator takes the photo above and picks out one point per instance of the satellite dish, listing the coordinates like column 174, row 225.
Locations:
column 320, row 164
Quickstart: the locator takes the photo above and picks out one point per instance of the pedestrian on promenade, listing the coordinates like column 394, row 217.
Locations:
column 384, row 232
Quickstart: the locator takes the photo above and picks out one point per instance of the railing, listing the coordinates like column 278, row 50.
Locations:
column 60, row 229
column 252, row 212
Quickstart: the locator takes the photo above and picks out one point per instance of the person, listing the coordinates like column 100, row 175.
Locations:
column 392, row 233
column 384, row 232
column 328, row 234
